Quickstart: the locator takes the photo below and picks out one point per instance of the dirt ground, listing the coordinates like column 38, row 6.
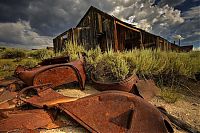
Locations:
column 186, row 108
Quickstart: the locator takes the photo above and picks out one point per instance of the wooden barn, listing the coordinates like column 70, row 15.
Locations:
column 98, row 28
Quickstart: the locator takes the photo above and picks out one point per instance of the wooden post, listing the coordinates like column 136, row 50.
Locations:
column 115, row 36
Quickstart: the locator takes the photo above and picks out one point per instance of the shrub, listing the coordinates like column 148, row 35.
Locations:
column 93, row 55
column 41, row 54
column 73, row 51
column 111, row 67
column 169, row 95
column 7, row 66
column 13, row 54
column 30, row 63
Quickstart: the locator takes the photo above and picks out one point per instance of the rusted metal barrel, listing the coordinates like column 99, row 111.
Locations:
column 124, row 85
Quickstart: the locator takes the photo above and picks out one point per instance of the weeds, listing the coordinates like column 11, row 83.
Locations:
column 111, row 67
column 73, row 51
column 169, row 95
column 160, row 65
column 13, row 54
column 41, row 54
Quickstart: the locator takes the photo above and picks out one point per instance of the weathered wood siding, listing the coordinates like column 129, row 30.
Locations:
column 97, row 28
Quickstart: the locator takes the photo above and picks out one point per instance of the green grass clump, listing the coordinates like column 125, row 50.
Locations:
column 158, row 62
column 8, row 66
column 13, row 53
column 41, row 54
column 169, row 95
column 29, row 63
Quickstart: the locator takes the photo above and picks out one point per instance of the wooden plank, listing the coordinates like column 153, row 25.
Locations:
column 115, row 36
column 117, row 22
column 100, row 23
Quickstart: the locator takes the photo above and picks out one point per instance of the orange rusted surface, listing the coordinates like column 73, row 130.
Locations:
column 45, row 97
column 8, row 100
column 56, row 75
column 27, row 119
column 115, row 111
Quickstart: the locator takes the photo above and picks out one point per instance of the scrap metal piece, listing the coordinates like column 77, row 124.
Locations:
column 56, row 75
column 124, row 85
column 26, row 119
column 8, row 100
column 55, row 60
column 147, row 89
column 6, row 82
column 115, row 111
column 46, row 96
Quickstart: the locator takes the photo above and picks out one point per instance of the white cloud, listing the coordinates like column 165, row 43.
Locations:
column 148, row 17
column 53, row 17
column 190, row 29
column 177, row 37
column 21, row 33
column 171, row 3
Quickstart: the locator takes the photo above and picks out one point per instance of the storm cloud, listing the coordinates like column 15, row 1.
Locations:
column 33, row 23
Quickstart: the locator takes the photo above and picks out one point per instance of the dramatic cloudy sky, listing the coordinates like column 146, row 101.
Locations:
column 33, row 23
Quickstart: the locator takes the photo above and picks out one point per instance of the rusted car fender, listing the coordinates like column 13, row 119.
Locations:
column 115, row 112
column 56, row 75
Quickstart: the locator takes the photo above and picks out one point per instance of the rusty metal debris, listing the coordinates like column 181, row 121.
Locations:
column 8, row 100
column 45, row 96
column 144, row 88
column 57, row 74
column 55, row 60
column 124, row 85
column 115, row 111
column 26, row 119
column 6, row 82
column 147, row 89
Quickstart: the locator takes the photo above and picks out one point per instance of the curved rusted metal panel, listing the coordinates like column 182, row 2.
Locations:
column 124, row 85
column 56, row 75
column 114, row 112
